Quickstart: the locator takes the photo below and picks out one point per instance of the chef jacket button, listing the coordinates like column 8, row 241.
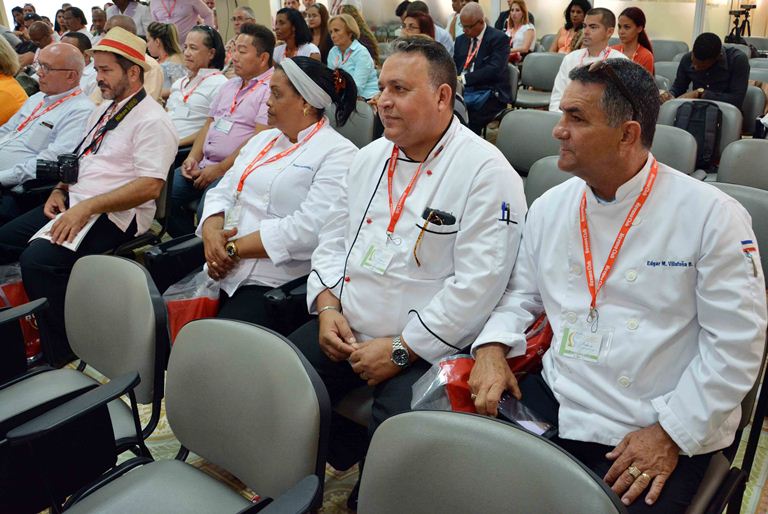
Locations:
column 429, row 172
column 571, row 317
column 632, row 324
column 575, row 269
column 630, row 275
column 346, row 279
column 624, row 381
column 368, row 220
column 637, row 221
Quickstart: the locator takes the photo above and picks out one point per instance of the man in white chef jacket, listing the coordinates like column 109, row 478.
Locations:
column 406, row 275
column 651, row 359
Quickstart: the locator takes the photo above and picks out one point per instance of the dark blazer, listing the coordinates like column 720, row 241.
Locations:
column 490, row 70
column 499, row 25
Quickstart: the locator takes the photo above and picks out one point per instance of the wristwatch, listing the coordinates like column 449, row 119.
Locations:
column 231, row 249
column 700, row 91
column 399, row 353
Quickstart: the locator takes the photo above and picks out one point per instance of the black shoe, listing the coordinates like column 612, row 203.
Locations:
column 352, row 498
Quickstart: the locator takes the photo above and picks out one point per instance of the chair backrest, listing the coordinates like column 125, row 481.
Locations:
column 116, row 320
column 752, row 108
column 675, row 147
column 546, row 41
column 161, row 204
column 360, row 125
column 667, row 69
column 543, row 175
column 760, row 74
column 744, row 48
column 244, row 398
column 761, row 43
column 744, row 162
column 662, row 82
column 679, row 57
column 470, row 463
column 525, row 136
column 666, row 49
column 540, row 70
column 758, row 63
column 514, row 82
column 460, row 109
column 732, row 119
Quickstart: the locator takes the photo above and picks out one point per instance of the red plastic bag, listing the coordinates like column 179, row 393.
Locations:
column 196, row 296
column 12, row 294
column 446, row 385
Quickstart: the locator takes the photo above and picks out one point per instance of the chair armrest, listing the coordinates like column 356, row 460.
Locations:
column 296, row 287
column 296, row 500
column 699, row 174
column 177, row 245
column 19, row 312
column 73, row 409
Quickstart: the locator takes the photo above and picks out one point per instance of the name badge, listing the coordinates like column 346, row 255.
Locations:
column 182, row 111
column 232, row 216
column 223, row 125
column 580, row 342
column 377, row 259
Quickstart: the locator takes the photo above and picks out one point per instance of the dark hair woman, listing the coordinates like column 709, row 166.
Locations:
column 291, row 28
column 634, row 40
column 570, row 37
column 317, row 21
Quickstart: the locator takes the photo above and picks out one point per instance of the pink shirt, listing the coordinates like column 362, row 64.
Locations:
column 144, row 144
column 251, row 109
column 182, row 13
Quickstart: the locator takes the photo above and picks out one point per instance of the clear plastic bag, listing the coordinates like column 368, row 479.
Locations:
column 194, row 297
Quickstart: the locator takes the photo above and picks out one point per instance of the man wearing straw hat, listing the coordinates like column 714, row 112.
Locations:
column 126, row 150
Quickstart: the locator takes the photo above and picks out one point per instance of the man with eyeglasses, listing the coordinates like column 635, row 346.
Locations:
column 599, row 24
column 243, row 14
column 48, row 124
column 480, row 55
column 658, row 315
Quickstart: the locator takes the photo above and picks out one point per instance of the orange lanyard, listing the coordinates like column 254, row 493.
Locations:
column 343, row 60
column 254, row 164
column 236, row 104
column 34, row 115
column 471, row 55
column 165, row 6
column 187, row 95
column 98, row 133
column 617, row 244
column 605, row 53
column 621, row 49
column 396, row 210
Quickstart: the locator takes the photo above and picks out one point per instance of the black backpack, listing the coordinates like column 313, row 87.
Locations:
column 703, row 120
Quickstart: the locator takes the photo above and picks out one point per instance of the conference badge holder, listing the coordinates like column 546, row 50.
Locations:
column 223, row 125
column 233, row 215
column 585, row 341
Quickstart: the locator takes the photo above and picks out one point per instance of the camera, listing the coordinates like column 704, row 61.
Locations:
column 64, row 169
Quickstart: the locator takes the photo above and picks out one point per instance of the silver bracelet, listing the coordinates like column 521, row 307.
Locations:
column 328, row 308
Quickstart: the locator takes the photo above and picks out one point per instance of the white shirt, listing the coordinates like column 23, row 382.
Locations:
column 304, row 50
column 140, row 13
column 288, row 201
column 439, row 306
column 190, row 116
column 144, row 144
column 56, row 132
column 519, row 38
column 88, row 81
column 443, row 37
column 574, row 59
column 87, row 32
column 687, row 310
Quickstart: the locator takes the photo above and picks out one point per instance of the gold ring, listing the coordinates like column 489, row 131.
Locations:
column 472, row 396
column 645, row 475
column 632, row 470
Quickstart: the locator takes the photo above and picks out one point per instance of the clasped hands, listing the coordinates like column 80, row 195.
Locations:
column 200, row 177
column 215, row 239
column 371, row 360
column 644, row 458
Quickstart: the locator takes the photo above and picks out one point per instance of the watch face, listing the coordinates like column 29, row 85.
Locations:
column 230, row 250
column 400, row 357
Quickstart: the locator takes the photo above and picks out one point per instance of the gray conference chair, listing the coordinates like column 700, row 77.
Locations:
column 744, row 162
column 758, row 63
column 116, row 322
column 732, row 119
column 470, row 463
column 546, row 41
column 666, row 50
column 662, row 83
column 539, row 73
column 760, row 74
column 243, row 398
column 360, row 125
column 514, row 82
column 675, row 147
column 544, row 175
column 744, row 48
column 525, row 136
column 761, row 43
column 679, row 57
column 752, row 108
column 667, row 69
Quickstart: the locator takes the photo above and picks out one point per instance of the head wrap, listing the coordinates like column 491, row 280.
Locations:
column 307, row 88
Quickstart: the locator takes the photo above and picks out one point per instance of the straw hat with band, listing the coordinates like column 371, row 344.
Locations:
column 121, row 42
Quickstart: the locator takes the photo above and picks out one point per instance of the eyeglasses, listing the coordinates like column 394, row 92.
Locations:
column 605, row 68
column 40, row 67
column 467, row 27
column 240, row 18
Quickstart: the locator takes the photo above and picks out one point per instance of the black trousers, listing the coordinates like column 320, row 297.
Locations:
column 389, row 398
column 248, row 304
column 479, row 118
column 677, row 492
column 45, row 269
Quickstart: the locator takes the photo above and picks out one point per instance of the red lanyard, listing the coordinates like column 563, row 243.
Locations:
column 605, row 52
column 343, row 60
column 256, row 164
column 187, row 95
column 621, row 49
column 165, row 6
column 236, row 104
column 471, row 55
column 395, row 211
column 98, row 133
column 617, row 244
column 32, row 117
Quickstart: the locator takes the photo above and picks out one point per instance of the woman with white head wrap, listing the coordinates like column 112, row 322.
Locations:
column 260, row 224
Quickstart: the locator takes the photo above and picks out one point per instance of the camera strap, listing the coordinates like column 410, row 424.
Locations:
column 111, row 124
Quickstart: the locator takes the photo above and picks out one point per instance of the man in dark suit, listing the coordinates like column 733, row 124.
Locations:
column 481, row 55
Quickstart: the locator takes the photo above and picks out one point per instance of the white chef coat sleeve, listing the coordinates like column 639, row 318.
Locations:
column 294, row 237
column 561, row 82
column 221, row 197
column 329, row 256
column 731, row 310
column 521, row 303
column 483, row 254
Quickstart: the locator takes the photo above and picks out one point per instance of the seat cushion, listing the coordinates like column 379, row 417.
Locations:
column 162, row 487
column 531, row 99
